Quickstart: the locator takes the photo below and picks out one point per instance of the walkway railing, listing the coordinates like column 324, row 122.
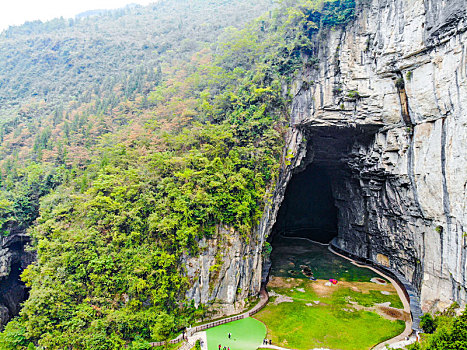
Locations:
column 173, row 341
column 187, row 346
column 264, row 298
column 409, row 291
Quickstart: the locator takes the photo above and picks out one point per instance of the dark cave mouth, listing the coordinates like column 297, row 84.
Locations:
column 313, row 201
column 308, row 209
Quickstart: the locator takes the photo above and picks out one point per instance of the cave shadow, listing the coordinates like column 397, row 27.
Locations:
column 308, row 209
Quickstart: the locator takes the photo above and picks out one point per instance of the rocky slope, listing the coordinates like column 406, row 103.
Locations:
column 385, row 113
column 13, row 259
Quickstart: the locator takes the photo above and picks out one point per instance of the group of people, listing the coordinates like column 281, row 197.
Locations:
column 267, row 341
column 226, row 348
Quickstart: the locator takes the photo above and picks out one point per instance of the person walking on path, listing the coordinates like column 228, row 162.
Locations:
column 230, row 335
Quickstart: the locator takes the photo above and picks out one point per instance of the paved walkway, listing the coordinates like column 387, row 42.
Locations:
column 402, row 339
column 196, row 332
column 263, row 300
column 198, row 336
column 280, row 348
column 408, row 325
column 402, row 344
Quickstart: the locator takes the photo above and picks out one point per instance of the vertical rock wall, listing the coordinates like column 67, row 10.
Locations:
column 400, row 68
column 385, row 112
column 226, row 272
column 13, row 260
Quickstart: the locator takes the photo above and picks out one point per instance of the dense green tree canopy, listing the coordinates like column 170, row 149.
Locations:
column 444, row 331
column 132, row 176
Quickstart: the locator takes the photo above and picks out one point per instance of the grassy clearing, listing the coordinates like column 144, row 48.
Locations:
column 247, row 334
column 340, row 294
column 336, row 316
column 298, row 326
column 372, row 298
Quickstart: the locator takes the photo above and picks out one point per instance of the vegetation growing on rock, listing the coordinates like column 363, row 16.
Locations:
column 444, row 331
column 131, row 177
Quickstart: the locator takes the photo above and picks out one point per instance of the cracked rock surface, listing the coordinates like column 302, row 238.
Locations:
column 385, row 112
column 398, row 76
column 13, row 259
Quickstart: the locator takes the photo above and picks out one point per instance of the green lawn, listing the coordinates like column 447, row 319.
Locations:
column 247, row 334
column 321, row 316
column 297, row 326
column 372, row 298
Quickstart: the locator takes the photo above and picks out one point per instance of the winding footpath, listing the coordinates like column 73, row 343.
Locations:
column 408, row 325
column 191, row 335
column 195, row 333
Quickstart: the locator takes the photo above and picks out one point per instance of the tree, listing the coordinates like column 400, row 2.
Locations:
column 427, row 323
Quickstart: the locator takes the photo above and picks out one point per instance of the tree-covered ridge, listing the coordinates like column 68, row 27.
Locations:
column 65, row 84
column 198, row 150
column 67, row 60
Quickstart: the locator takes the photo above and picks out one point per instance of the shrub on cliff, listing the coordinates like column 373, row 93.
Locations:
column 427, row 323
column 450, row 333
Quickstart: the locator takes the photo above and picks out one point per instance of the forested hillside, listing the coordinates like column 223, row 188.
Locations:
column 79, row 60
column 128, row 137
column 66, row 83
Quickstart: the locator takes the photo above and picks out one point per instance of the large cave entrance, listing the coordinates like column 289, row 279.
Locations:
column 327, row 199
column 308, row 209
column 318, row 198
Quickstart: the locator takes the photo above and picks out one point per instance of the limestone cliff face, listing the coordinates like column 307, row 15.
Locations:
column 385, row 112
column 226, row 272
column 394, row 85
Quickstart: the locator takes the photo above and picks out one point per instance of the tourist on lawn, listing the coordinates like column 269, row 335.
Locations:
column 230, row 334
